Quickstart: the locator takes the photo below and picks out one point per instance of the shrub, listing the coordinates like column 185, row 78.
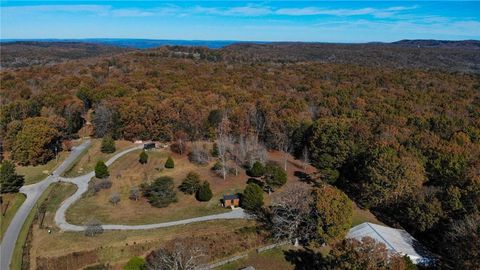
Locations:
column 134, row 193
column 256, row 170
column 178, row 147
column 143, row 158
column 101, row 170
column 215, row 150
column 108, row 145
column 161, row 192
column 93, row 227
column 102, row 184
column 252, row 197
column 260, row 183
column 135, row 263
column 275, row 176
column 114, row 198
column 190, row 184
column 217, row 166
column 204, row 193
column 169, row 164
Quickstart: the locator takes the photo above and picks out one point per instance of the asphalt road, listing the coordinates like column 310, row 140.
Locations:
column 82, row 184
column 33, row 193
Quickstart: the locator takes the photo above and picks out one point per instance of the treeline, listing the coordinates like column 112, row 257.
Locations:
column 402, row 142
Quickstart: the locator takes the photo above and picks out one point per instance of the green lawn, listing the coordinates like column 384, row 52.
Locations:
column 14, row 201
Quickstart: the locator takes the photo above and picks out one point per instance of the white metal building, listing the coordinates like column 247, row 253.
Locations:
column 396, row 240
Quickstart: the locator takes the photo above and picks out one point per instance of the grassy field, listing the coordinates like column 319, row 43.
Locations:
column 10, row 205
column 34, row 174
column 128, row 172
column 86, row 162
column 361, row 215
column 273, row 259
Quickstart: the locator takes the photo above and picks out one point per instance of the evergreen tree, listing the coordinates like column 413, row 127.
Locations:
column 257, row 170
column 101, row 170
column 10, row 181
column 190, row 184
column 204, row 193
column 169, row 164
column 143, row 158
column 108, row 145
column 275, row 176
column 252, row 197
column 161, row 192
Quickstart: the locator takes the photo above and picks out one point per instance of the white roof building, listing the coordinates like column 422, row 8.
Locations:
column 396, row 240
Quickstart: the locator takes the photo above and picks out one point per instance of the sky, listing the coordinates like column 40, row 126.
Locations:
column 322, row 21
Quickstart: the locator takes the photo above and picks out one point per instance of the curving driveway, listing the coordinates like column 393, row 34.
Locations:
column 82, row 184
column 33, row 193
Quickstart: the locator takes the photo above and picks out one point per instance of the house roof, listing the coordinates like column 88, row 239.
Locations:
column 396, row 240
column 230, row 197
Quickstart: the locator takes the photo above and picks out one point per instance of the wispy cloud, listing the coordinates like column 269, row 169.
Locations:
column 247, row 10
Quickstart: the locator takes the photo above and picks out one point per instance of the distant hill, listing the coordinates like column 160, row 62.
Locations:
column 463, row 56
column 26, row 53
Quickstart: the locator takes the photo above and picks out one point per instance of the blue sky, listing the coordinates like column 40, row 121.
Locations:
column 325, row 21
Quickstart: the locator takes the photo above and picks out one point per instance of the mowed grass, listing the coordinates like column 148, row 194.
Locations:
column 88, row 159
column 10, row 204
column 127, row 172
column 273, row 259
column 34, row 174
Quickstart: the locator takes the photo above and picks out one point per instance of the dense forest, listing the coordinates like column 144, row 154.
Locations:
column 400, row 139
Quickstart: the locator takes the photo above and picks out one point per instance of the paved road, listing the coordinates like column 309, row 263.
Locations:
column 33, row 193
column 82, row 184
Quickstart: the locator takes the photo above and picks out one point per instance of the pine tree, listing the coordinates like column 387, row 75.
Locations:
column 204, row 193
column 169, row 164
column 256, row 170
column 10, row 181
column 101, row 170
column 252, row 197
column 108, row 145
column 143, row 158
column 190, row 184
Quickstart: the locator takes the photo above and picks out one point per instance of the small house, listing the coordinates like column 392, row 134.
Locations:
column 232, row 200
column 149, row 145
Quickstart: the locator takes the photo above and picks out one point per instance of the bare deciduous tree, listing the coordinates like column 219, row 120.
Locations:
column 224, row 144
column 181, row 255
column 134, row 193
column 102, row 120
column 292, row 215
column 305, row 158
column 114, row 198
column 199, row 154
column 93, row 227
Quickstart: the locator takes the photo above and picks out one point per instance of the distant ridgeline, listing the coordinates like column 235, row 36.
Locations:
column 453, row 56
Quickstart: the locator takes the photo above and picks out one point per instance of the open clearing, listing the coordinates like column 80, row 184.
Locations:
column 86, row 162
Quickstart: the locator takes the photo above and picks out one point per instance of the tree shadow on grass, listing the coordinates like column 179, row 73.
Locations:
column 305, row 259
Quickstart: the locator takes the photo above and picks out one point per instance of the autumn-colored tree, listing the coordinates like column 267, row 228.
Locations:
column 330, row 145
column 35, row 143
column 334, row 210
column 367, row 254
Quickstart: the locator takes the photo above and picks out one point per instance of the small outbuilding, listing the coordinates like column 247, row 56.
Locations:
column 150, row 145
column 232, row 200
column 396, row 240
